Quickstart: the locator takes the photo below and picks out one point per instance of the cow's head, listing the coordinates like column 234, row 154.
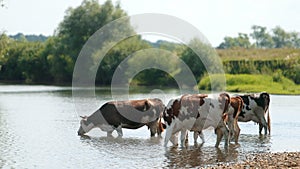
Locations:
column 264, row 98
column 85, row 125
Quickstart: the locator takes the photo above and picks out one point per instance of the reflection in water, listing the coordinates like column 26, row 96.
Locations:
column 201, row 155
column 126, row 152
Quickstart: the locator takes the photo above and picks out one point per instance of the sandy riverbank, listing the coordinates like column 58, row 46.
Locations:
column 267, row 160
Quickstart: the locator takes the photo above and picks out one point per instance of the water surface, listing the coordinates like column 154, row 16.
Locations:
column 38, row 129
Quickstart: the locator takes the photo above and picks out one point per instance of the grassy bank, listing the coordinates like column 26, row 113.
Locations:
column 275, row 84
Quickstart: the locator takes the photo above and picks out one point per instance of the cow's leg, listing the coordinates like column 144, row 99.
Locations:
column 182, row 137
column 195, row 136
column 225, row 132
column 174, row 139
column 187, row 138
column 263, row 125
column 119, row 131
column 169, row 132
column 153, row 129
column 201, row 136
column 262, row 120
column 219, row 133
column 260, row 128
column 231, row 130
column 236, row 131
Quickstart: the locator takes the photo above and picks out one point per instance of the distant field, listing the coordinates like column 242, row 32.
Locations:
column 254, row 83
column 258, row 54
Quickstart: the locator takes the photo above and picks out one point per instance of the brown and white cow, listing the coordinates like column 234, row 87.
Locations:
column 256, row 106
column 230, row 118
column 131, row 114
column 196, row 113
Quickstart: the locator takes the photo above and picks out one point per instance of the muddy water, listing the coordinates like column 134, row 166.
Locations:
column 38, row 126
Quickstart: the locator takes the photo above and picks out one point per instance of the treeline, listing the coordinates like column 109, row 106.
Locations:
column 276, row 38
column 52, row 60
column 31, row 38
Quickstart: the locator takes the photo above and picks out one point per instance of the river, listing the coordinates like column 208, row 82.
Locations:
column 38, row 129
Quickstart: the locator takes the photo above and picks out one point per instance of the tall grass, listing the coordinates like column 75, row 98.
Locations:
column 258, row 54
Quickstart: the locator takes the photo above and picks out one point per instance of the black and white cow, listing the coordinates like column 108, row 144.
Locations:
column 256, row 106
column 130, row 114
column 196, row 113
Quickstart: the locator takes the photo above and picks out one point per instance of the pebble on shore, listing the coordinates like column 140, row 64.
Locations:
column 266, row 160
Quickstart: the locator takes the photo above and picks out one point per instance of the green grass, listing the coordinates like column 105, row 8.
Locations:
column 248, row 83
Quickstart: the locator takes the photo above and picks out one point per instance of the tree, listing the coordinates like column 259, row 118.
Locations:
column 22, row 61
column 4, row 43
column 80, row 23
column 31, row 63
column 78, row 26
column 262, row 38
column 295, row 40
column 115, row 56
column 196, row 62
column 241, row 41
column 281, row 38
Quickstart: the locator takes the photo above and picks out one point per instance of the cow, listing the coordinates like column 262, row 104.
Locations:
column 231, row 119
column 196, row 112
column 131, row 114
column 256, row 106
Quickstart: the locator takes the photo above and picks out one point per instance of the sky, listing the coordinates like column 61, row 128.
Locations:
column 214, row 18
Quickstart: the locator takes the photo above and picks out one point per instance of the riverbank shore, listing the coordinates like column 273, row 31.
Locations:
column 265, row 160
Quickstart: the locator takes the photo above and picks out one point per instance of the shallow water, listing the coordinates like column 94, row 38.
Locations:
column 38, row 129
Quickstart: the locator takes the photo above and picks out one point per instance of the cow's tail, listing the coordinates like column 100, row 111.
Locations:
column 269, row 121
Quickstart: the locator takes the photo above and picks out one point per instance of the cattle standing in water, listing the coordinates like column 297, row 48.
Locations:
column 131, row 114
column 231, row 118
column 196, row 113
column 256, row 106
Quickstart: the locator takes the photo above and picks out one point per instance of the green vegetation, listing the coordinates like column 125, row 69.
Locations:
column 271, row 63
column 277, row 38
column 30, row 38
column 276, row 84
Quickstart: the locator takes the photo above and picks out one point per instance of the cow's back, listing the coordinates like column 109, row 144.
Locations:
column 113, row 117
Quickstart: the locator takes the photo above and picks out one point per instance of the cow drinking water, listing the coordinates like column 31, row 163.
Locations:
column 131, row 114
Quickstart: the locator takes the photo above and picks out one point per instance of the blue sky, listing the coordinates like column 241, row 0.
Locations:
column 214, row 18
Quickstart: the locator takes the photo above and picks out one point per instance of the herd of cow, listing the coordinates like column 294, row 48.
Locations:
column 189, row 112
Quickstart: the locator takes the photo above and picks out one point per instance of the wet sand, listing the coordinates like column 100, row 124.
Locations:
column 265, row 160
